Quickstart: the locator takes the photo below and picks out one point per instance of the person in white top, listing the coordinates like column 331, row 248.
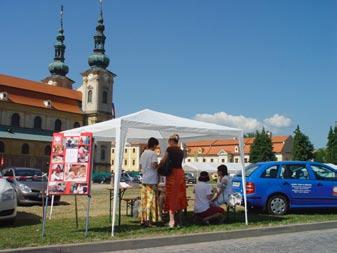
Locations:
column 148, row 166
column 204, row 209
column 224, row 186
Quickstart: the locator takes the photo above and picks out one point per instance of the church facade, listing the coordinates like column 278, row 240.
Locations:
column 30, row 111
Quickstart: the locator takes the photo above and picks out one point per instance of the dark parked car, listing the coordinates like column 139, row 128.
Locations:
column 190, row 179
column 101, row 177
column 29, row 184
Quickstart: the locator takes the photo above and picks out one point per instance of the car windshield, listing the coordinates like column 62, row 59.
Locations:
column 35, row 174
column 248, row 170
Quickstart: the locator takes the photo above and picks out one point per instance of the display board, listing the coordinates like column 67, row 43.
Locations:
column 70, row 165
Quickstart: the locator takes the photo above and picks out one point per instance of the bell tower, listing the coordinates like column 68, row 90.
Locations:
column 97, row 86
column 97, row 93
column 58, row 69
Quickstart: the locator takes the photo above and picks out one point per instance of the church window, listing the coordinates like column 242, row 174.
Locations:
column 58, row 125
column 25, row 149
column 105, row 97
column 89, row 96
column 37, row 122
column 15, row 121
column 2, row 147
column 47, row 150
column 103, row 155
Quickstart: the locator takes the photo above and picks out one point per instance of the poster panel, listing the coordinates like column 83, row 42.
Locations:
column 70, row 165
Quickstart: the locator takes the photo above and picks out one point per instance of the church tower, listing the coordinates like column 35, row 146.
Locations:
column 97, row 87
column 58, row 69
column 97, row 90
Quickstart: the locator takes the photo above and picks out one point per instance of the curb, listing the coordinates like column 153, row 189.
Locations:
column 117, row 245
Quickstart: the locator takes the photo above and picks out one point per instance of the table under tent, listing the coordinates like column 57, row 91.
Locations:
column 142, row 125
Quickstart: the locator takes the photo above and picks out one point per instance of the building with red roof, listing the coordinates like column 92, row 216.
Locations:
column 31, row 111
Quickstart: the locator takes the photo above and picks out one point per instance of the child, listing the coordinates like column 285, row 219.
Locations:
column 203, row 208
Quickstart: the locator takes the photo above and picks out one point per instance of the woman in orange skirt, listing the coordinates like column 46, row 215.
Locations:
column 175, row 201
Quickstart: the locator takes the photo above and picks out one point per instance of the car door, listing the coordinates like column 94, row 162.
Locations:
column 296, row 182
column 325, row 187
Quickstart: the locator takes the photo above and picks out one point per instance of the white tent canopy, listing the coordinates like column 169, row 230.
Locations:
column 147, row 123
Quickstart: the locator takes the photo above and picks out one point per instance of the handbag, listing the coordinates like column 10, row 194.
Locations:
column 165, row 168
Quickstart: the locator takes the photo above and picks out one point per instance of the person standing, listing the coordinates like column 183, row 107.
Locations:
column 175, row 200
column 149, row 166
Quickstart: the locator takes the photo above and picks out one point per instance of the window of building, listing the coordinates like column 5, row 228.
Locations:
column 133, row 150
column 47, row 150
column 76, row 124
column 113, row 150
column 125, row 162
column 246, row 160
column 15, row 121
column 2, row 147
column 105, row 97
column 112, row 162
column 25, row 149
column 236, row 149
column 204, row 160
column 236, row 160
column 103, row 153
column 58, row 125
column 89, row 96
column 189, row 160
column 212, row 160
column 37, row 122
column 133, row 162
column 125, row 150
column 323, row 173
column 222, row 160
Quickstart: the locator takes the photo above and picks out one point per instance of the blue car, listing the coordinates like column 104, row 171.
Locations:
column 279, row 186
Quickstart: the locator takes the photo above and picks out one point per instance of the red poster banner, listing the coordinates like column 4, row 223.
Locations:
column 70, row 165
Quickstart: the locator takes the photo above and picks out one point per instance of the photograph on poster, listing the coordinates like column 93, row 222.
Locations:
column 76, row 172
column 56, row 187
column 79, row 188
column 57, row 159
column 56, row 176
column 83, row 154
column 58, row 139
column 59, row 167
column 71, row 155
column 58, row 149
column 71, row 142
column 84, row 140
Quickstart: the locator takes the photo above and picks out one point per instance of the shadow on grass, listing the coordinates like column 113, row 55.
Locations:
column 132, row 225
column 25, row 219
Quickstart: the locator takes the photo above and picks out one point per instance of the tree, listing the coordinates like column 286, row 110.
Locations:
column 302, row 150
column 331, row 146
column 320, row 155
column 262, row 148
column 250, row 135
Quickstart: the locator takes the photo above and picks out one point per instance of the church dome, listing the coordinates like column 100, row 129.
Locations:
column 98, row 60
column 58, row 68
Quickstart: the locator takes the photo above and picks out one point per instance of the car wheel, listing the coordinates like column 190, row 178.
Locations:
column 277, row 205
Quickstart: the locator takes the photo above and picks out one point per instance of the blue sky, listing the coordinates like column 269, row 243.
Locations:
column 240, row 62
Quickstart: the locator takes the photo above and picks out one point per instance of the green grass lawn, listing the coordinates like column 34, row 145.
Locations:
column 62, row 229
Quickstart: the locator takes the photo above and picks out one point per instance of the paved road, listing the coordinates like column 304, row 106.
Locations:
column 313, row 241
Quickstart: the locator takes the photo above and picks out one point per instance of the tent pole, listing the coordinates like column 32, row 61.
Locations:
column 119, row 146
column 242, row 157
